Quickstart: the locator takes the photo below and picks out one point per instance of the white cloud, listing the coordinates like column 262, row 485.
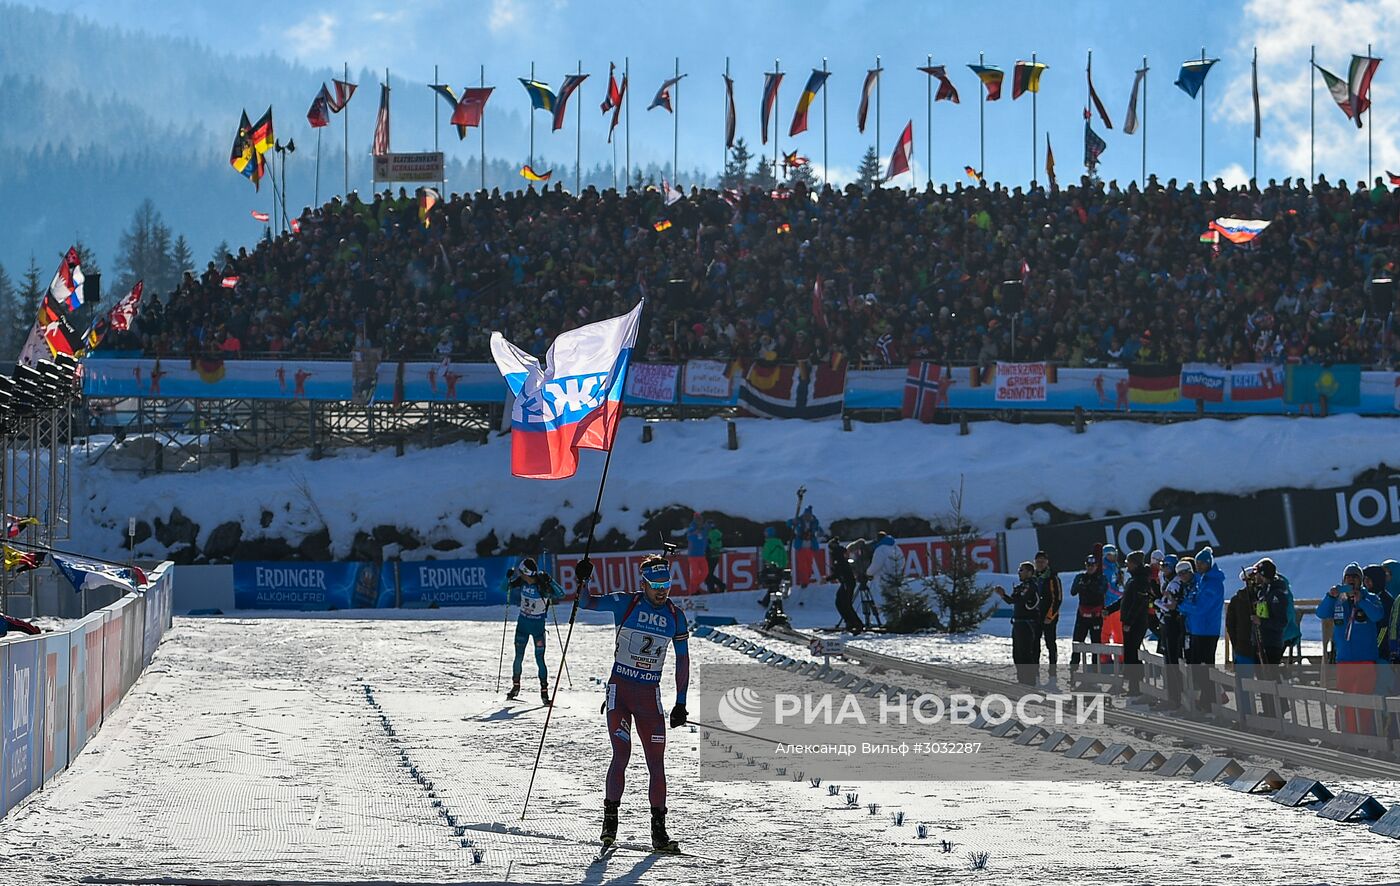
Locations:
column 310, row 37
column 1234, row 175
column 504, row 13
column 1284, row 34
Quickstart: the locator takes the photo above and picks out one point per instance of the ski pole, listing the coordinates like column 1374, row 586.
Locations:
column 563, row 665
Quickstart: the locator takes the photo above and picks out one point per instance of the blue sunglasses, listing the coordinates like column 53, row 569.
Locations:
column 657, row 576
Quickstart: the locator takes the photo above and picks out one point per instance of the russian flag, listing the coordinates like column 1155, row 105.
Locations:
column 1239, row 230
column 572, row 403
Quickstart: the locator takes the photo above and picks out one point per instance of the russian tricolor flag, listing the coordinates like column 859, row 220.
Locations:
column 572, row 403
column 1239, row 230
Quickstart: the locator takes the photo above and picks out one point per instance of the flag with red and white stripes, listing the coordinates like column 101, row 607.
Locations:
column 381, row 124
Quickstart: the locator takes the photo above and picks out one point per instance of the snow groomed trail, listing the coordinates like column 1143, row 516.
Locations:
column 345, row 751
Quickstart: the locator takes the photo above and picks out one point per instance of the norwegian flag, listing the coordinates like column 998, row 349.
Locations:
column 229, row 282
column 883, row 345
column 296, row 225
column 923, row 386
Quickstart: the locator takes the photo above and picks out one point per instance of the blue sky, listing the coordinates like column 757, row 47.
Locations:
column 506, row 35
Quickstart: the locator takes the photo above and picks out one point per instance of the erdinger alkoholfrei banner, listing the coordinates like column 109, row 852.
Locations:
column 572, row 403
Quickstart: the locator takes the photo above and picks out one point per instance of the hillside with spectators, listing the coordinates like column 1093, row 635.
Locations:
column 1083, row 276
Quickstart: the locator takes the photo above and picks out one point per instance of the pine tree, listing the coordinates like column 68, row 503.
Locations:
column 736, row 168
column 11, row 319
column 804, row 175
column 868, row 175
column 182, row 256
column 906, row 609
column 145, row 252
column 87, row 257
column 763, row 176
column 221, row 255
column 959, row 599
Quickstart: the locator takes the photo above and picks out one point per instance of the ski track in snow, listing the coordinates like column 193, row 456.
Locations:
column 248, row 752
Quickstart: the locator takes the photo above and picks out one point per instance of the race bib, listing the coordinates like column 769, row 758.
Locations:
column 532, row 606
column 640, row 650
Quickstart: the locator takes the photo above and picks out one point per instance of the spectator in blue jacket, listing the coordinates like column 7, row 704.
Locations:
column 1204, row 609
column 806, row 535
column 697, row 545
column 1356, row 612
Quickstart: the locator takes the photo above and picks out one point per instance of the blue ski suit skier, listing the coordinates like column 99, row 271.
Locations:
column 647, row 623
column 534, row 590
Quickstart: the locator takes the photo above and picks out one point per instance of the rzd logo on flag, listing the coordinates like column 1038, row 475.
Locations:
column 572, row 403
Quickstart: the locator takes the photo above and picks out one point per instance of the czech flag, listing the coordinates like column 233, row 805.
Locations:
column 572, row 403
column 804, row 101
column 991, row 77
column 1239, row 230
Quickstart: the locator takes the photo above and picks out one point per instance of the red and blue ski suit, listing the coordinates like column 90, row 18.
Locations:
column 634, row 689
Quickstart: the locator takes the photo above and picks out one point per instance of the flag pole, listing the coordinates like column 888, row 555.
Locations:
column 777, row 128
column 928, row 113
column 316, row 200
column 1368, row 124
column 1312, row 119
column 726, row 121
column 676, row 123
column 826, row 163
column 1144, row 123
column 531, row 185
column 981, row 119
column 578, row 137
column 627, row 100
column 483, row 130
column 345, row 118
column 878, row 86
column 442, row 184
column 1035, row 125
column 1203, row 122
column 1254, row 179
column 578, row 594
column 1088, row 86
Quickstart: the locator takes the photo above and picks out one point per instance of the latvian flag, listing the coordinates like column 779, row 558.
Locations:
column 1154, row 382
column 923, row 387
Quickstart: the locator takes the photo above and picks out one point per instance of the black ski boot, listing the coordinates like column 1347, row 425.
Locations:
column 610, row 822
column 514, row 691
column 544, row 694
column 660, row 840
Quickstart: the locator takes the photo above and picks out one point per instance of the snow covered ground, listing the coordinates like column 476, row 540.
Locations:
column 248, row 752
column 874, row 470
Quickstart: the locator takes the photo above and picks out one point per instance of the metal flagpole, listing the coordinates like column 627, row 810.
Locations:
column 442, row 184
column 483, row 130
column 627, row 100
column 675, row 122
column 532, row 122
column 1312, row 120
column 316, row 200
column 578, row 137
column 981, row 120
column 1368, row 126
column 1254, row 180
column 1088, row 86
column 877, row 121
column 1144, row 123
column 1203, row 122
column 1035, row 125
column 726, row 120
column 928, row 111
column 777, row 129
column 826, row 163
column 345, row 118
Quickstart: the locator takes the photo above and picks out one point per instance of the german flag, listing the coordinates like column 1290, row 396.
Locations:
column 261, row 134
column 1154, row 382
column 531, row 175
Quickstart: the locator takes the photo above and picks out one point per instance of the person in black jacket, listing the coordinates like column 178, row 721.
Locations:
column 1138, row 591
column 1239, row 625
column 1270, row 616
column 1090, row 587
column 1026, row 615
column 840, row 571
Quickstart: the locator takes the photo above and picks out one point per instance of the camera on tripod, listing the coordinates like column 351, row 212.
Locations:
column 777, row 582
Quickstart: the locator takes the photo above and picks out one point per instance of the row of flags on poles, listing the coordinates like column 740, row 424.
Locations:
column 252, row 141
column 54, row 331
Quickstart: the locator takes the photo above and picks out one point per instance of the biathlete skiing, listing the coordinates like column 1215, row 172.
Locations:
column 647, row 623
column 535, row 590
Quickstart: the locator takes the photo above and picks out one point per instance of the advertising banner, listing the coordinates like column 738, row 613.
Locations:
column 55, row 676
column 423, row 166
column 21, row 689
column 85, row 681
column 305, row 585
column 1321, row 516
column 1203, row 381
column 1253, row 382
column 1229, row 527
column 111, row 661
column 479, row 582
column 1020, row 382
column 652, row 382
column 708, row 378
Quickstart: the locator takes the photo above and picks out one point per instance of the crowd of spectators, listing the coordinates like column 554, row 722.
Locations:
column 1092, row 274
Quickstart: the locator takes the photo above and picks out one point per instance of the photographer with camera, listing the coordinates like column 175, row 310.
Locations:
column 1356, row 613
column 1090, row 587
column 1172, row 630
column 773, row 560
column 1134, row 608
column 1026, row 614
column 534, row 590
column 840, row 571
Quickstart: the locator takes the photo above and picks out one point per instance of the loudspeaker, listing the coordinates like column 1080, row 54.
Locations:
column 92, row 288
